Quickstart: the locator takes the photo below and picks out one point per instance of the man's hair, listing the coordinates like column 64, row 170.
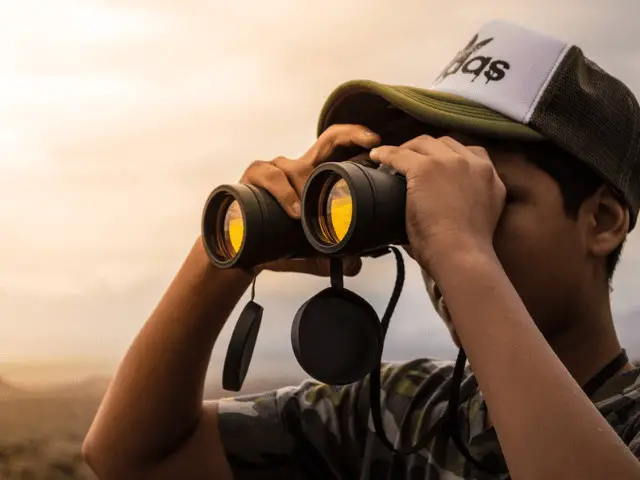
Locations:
column 577, row 182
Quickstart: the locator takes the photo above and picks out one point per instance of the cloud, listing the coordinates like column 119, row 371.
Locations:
column 119, row 117
column 76, row 23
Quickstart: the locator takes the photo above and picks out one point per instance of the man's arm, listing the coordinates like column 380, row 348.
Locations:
column 513, row 364
column 154, row 404
column 152, row 423
column 455, row 200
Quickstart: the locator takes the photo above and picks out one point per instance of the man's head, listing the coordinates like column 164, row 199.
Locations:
column 564, row 136
column 559, row 237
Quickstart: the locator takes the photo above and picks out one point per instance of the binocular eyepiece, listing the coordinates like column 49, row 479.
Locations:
column 348, row 207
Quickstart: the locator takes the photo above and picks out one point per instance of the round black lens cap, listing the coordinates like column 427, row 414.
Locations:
column 336, row 337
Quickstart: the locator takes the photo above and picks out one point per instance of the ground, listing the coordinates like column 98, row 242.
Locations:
column 40, row 437
column 41, row 434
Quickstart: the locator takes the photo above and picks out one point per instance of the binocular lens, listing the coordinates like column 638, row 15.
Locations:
column 350, row 207
column 232, row 230
column 244, row 226
column 336, row 210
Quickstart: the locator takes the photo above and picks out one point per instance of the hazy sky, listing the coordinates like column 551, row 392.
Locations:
column 118, row 117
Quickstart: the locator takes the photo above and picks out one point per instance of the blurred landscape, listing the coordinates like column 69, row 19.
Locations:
column 42, row 429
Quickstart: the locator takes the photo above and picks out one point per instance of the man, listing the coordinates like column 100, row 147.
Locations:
column 517, row 218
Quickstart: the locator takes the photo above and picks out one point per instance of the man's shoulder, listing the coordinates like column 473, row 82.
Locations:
column 620, row 405
column 420, row 385
column 408, row 377
column 423, row 367
column 400, row 381
column 328, row 423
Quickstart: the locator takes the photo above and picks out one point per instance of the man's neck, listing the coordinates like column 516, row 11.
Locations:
column 587, row 347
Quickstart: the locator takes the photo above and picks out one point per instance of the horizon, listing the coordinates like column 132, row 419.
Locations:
column 119, row 118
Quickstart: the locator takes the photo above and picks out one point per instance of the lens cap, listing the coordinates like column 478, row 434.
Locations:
column 240, row 350
column 337, row 337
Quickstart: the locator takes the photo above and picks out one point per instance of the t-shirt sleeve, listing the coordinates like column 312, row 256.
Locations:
column 634, row 429
column 311, row 428
column 320, row 431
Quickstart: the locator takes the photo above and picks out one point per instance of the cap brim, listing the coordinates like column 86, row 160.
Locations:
column 366, row 102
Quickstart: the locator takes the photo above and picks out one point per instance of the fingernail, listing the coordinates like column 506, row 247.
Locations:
column 372, row 153
column 296, row 209
column 370, row 136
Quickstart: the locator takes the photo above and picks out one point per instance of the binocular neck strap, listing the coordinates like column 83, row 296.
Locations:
column 335, row 271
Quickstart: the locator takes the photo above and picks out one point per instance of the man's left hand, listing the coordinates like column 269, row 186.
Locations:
column 454, row 195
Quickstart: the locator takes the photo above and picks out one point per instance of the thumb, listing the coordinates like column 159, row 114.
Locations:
column 351, row 266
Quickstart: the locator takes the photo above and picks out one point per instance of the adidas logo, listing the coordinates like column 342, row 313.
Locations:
column 464, row 62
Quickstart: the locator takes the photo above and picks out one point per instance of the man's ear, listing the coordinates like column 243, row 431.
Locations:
column 606, row 222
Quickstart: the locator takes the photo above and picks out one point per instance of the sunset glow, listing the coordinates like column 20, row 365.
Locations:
column 117, row 118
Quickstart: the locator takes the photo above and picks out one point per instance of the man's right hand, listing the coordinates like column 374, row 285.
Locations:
column 285, row 178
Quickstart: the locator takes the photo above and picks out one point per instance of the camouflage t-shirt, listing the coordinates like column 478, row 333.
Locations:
column 319, row 431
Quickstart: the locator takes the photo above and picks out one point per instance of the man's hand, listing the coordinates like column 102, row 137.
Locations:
column 454, row 195
column 285, row 178
column 454, row 202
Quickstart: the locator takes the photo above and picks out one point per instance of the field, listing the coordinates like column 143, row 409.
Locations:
column 40, row 437
column 41, row 433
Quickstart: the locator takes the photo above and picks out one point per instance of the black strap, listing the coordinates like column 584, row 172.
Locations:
column 591, row 387
column 335, row 272
column 374, row 376
column 452, row 427
column 455, row 382
column 253, row 288
column 458, row 392
column 606, row 373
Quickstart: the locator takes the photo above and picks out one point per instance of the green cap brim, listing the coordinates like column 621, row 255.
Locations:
column 364, row 102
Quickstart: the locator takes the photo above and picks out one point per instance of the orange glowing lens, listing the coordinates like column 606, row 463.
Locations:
column 339, row 211
column 233, row 230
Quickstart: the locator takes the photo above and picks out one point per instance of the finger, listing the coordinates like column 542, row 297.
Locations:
column 319, row 266
column 398, row 158
column 461, row 149
column 266, row 175
column 298, row 265
column 343, row 135
column 479, row 151
column 444, row 146
column 352, row 266
column 408, row 249
column 429, row 146
column 296, row 171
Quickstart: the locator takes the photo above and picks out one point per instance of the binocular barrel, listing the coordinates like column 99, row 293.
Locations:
column 348, row 207
column 244, row 226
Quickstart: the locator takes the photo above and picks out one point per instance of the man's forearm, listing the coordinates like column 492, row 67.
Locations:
column 155, row 399
column 547, row 426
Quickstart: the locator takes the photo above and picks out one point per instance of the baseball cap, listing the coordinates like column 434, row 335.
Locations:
column 513, row 83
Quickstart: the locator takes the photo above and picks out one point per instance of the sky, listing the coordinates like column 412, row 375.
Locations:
column 117, row 118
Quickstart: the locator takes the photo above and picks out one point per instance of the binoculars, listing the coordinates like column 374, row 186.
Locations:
column 349, row 207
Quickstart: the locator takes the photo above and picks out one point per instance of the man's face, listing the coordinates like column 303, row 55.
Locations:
column 539, row 246
column 438, row 304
